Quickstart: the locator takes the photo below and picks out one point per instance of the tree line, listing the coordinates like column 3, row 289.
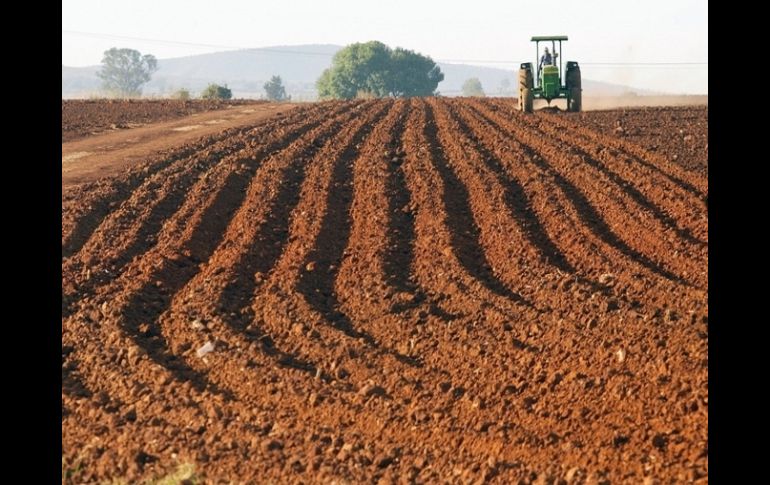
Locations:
column 370, row 69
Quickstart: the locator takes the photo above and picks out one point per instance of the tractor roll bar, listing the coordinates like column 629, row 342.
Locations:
column 553, row 38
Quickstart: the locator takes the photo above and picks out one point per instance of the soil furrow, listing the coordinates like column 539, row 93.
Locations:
column 679, row 135
column 459, row 216
column 673, row 207
column 92, row 202
column 294, row 320
column 588, row 253
column 549, row 159
column 141, row 310
column 436, row 267
column 368, row 277
column 648, row 159
column 85, row 207
column 317, row 284
column 503, row 236
column 203, row 154
column 519, row 204
column 249, row 248
column 614, row 184
column 133, row 228
column 144, row 290
column 557, row 227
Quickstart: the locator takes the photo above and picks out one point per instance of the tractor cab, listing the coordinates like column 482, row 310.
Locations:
column 548, row 83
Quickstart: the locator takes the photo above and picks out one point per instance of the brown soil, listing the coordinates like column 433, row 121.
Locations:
column 81, row 118
column 414, row 291
column 680, row 134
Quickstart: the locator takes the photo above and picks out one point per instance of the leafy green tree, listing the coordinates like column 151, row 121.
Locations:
column 472, row 87
column 359, row 67
column 124, row 71
column 215, row 91
column 275, row 90
column 412, row 74
column 377, row 70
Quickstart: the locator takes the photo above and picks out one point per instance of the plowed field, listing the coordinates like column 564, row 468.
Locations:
column 680, row 134
column 415, row 291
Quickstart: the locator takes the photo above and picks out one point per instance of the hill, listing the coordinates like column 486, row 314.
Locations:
column 245, row 71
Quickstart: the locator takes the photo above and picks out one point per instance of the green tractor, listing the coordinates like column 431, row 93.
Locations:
column 549, row 81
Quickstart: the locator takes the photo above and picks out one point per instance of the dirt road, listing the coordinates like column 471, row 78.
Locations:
column 90, row 158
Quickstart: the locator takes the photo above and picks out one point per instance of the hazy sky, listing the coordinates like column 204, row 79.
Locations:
column 471, row 31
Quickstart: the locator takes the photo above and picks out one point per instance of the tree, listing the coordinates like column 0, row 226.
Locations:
column 215, row 91
column 472, row 87
column 124, row 71
column 413, row 74
column 374, row 69
column 275, row 90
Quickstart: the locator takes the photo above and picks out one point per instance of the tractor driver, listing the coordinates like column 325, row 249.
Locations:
column 546, row 59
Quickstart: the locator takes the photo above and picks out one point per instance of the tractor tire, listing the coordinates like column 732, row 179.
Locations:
column 526, row 81
column 526, row 100
column 574, row 84
column 573, row 78
column 575, row 100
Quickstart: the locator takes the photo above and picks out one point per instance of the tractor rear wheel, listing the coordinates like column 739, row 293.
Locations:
column 526, row 100
column 574, row 84
column 526, row 81
column 575, row 100
column 526, row 84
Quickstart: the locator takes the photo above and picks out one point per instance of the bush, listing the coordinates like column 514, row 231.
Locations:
column 472, row 87
column 275, row 90
column 181, row 94
column 215, row 91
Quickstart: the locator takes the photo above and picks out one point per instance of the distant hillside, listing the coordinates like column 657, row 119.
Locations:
column 245, row 71
column 75, row 80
